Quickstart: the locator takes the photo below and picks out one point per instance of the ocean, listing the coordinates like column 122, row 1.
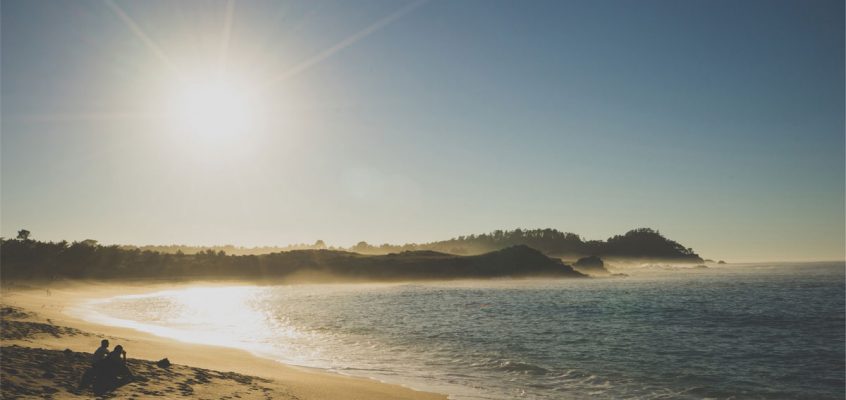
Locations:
column 754, row 331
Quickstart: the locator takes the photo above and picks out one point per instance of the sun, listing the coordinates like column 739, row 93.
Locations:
column 214, row 107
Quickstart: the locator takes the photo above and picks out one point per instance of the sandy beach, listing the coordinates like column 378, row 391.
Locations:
column 45, row 351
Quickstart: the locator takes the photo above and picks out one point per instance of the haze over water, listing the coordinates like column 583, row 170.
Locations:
column 752, row 331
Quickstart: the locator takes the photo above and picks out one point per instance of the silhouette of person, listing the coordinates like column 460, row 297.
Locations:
column 99, row 357
column 117, row 362
column 101, row 353
column 112, row 371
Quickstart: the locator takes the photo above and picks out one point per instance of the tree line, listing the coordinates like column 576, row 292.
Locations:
column 24, row 258
column 642, row 243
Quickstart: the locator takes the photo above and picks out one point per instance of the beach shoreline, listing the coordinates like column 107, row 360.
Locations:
column 50, row 304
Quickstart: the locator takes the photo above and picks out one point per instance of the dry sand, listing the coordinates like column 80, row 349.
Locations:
column 45, row 351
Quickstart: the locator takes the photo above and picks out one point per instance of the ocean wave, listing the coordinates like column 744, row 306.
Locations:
column 516, row 366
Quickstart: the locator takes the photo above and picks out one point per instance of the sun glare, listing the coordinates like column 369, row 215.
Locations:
column 214, row 108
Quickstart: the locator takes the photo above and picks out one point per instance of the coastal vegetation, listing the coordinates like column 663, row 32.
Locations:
column 641, row 243
column 24, row 258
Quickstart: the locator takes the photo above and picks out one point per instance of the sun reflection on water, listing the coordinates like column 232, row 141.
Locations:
column 225, row 316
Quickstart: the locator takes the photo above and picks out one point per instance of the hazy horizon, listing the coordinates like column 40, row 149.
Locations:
column 721, row 124
column 713, row 258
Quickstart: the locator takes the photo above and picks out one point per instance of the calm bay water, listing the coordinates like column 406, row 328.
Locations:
column 750, row 331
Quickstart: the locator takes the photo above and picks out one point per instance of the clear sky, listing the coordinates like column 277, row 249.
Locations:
column 720, row 123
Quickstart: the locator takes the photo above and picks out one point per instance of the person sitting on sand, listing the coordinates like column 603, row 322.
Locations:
column 101, row 353
column 112, row 371
column 116, row 362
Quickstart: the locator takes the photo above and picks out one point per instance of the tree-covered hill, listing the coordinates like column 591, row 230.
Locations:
column 642, row 243
column 26, row 259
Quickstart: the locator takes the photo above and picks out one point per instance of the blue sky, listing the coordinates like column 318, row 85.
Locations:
column 721, row 123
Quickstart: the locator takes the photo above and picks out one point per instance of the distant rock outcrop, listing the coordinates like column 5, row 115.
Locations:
column 591, row 265
column 589, row 262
